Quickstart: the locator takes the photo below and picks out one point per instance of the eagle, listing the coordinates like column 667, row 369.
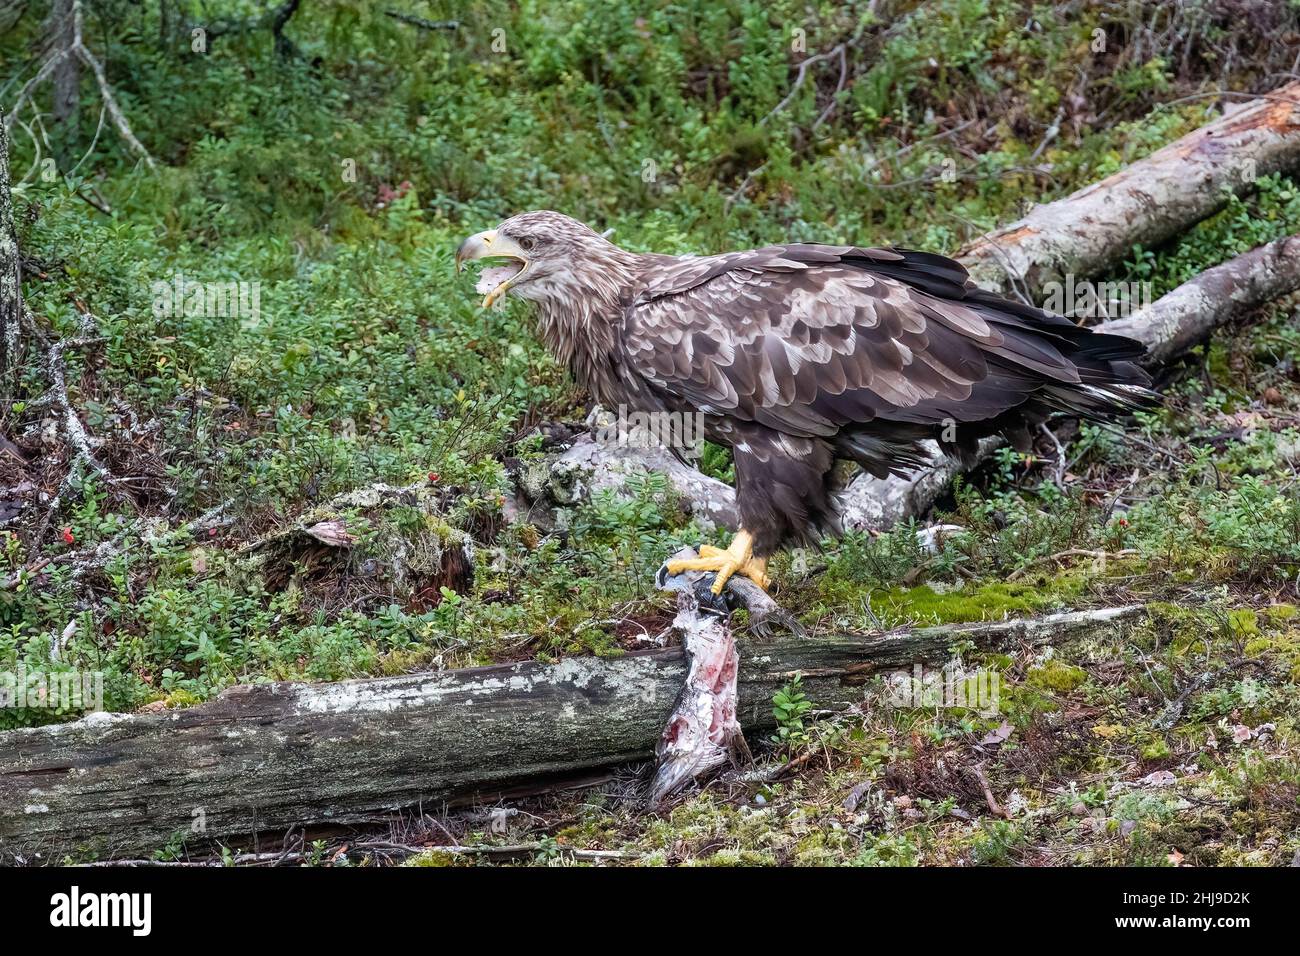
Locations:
column 799, row 356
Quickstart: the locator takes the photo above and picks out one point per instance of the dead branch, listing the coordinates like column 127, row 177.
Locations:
column 85, row 560
column 77, row 48
column 410, row 19
column 275, row 19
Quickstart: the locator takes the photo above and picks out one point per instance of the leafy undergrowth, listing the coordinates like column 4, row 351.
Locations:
column 340, row 185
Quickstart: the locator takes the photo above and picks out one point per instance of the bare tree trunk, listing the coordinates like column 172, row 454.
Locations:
column 164, row 26
column 11, row 289
column 67, row 75
column 56, row 61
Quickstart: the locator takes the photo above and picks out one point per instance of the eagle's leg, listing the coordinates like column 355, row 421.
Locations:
column 737, row 559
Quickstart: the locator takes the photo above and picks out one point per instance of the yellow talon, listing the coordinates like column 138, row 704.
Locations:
column 737, row 559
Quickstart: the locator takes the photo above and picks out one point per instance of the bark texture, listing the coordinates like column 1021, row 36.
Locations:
column 588, row 468
column 67, row 75
column 11, row 289
column 266, row 757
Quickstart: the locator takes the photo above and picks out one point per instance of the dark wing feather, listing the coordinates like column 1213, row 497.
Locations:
column 859, row 345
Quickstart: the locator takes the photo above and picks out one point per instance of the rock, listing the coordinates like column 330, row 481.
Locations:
column 588, row 468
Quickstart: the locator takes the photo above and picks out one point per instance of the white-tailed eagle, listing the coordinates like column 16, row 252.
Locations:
column 799, row 355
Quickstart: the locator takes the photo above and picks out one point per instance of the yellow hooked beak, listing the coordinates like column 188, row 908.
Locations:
column 490, row 245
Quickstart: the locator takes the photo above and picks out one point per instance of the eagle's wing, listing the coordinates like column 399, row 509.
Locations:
column 811, row 340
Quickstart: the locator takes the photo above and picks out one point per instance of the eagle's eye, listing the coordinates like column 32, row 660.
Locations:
column 526, row 243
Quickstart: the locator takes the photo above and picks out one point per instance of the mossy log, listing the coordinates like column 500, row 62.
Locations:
column 261, row 759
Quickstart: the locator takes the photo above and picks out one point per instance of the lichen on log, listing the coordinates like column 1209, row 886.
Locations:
column 266, row 757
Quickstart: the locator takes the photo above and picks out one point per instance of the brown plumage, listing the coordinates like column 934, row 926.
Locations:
column 798, row 355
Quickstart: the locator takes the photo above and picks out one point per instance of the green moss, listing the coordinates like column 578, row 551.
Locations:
column 1110, row 731
column 1056, row 676
column 927, row 604
column 1156, row 750
column 437, row 857
column 1243, row 622
column 1279, row 613
column 181, row 698
column 1019, row 702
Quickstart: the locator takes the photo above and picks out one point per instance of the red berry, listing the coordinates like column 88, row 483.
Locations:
column 433, row 476
column 67, row 536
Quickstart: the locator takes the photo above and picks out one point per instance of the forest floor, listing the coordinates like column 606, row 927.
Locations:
column 168, row 560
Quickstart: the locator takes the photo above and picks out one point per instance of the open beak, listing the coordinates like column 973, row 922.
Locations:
column 498, row 279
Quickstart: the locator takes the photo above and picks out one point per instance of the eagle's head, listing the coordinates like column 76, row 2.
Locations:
column 549, row 258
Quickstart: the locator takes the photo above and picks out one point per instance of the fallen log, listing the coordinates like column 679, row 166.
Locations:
column 263, row 758
column 1081, row 235
column 1146, row 203
column 1218, row 296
